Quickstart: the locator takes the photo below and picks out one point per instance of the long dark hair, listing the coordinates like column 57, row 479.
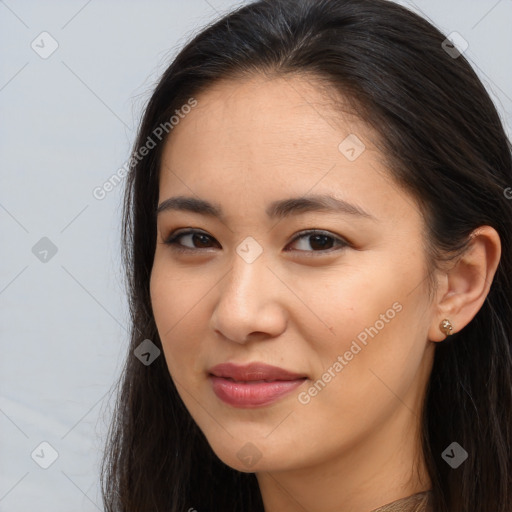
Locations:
column 444, row 142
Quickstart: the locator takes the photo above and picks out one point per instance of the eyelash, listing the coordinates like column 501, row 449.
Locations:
column 174, row 237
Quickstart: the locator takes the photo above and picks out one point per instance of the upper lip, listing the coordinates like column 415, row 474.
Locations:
column 253, row 371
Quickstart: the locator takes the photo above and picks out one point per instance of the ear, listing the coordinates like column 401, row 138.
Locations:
column 464, row 287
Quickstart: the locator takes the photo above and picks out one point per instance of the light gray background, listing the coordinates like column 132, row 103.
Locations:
column 67, row 124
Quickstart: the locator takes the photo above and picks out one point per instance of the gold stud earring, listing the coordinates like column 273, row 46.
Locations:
column 446, row 327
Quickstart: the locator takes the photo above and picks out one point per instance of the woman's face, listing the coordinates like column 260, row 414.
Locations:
column 335, row 295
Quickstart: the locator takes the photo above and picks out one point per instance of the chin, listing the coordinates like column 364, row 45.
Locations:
column 247, row 457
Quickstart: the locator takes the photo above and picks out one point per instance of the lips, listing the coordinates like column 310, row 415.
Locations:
column 252, row 385
column 253, row 372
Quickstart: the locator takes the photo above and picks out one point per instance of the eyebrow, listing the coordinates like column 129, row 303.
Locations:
column 277, row 209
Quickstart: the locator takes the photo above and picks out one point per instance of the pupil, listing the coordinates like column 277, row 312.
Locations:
column 321, row 245
column 200, row 239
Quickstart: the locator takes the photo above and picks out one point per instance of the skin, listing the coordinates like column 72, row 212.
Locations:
column 355, row 445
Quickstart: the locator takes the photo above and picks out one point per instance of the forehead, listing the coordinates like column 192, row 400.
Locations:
column 262, row 122
column 278, row 115
column 270, row 138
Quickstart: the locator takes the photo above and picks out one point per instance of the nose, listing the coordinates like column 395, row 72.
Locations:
column 249, row 303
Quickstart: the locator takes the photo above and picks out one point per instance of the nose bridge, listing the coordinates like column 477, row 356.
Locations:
column 246, row 301
column 243, row 284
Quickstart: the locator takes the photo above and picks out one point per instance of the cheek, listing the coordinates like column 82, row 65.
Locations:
column 176, row 305
column 369, row 317
column 342, row 305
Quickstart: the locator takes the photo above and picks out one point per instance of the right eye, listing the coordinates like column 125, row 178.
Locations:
column 193, row 236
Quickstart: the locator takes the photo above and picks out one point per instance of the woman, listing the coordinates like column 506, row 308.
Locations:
column 318, row 245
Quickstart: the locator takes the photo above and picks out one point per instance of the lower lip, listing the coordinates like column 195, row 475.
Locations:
column 247, row 394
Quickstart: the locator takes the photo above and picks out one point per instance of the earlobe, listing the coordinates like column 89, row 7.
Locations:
column 446, row 327
column 468, row 283
column 440, row 331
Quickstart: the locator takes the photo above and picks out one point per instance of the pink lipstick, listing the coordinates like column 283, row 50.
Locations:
column 252, row 385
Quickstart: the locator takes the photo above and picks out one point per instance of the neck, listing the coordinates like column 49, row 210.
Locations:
column 381, row 468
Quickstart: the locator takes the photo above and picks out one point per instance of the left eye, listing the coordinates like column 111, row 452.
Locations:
column 318, row 241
